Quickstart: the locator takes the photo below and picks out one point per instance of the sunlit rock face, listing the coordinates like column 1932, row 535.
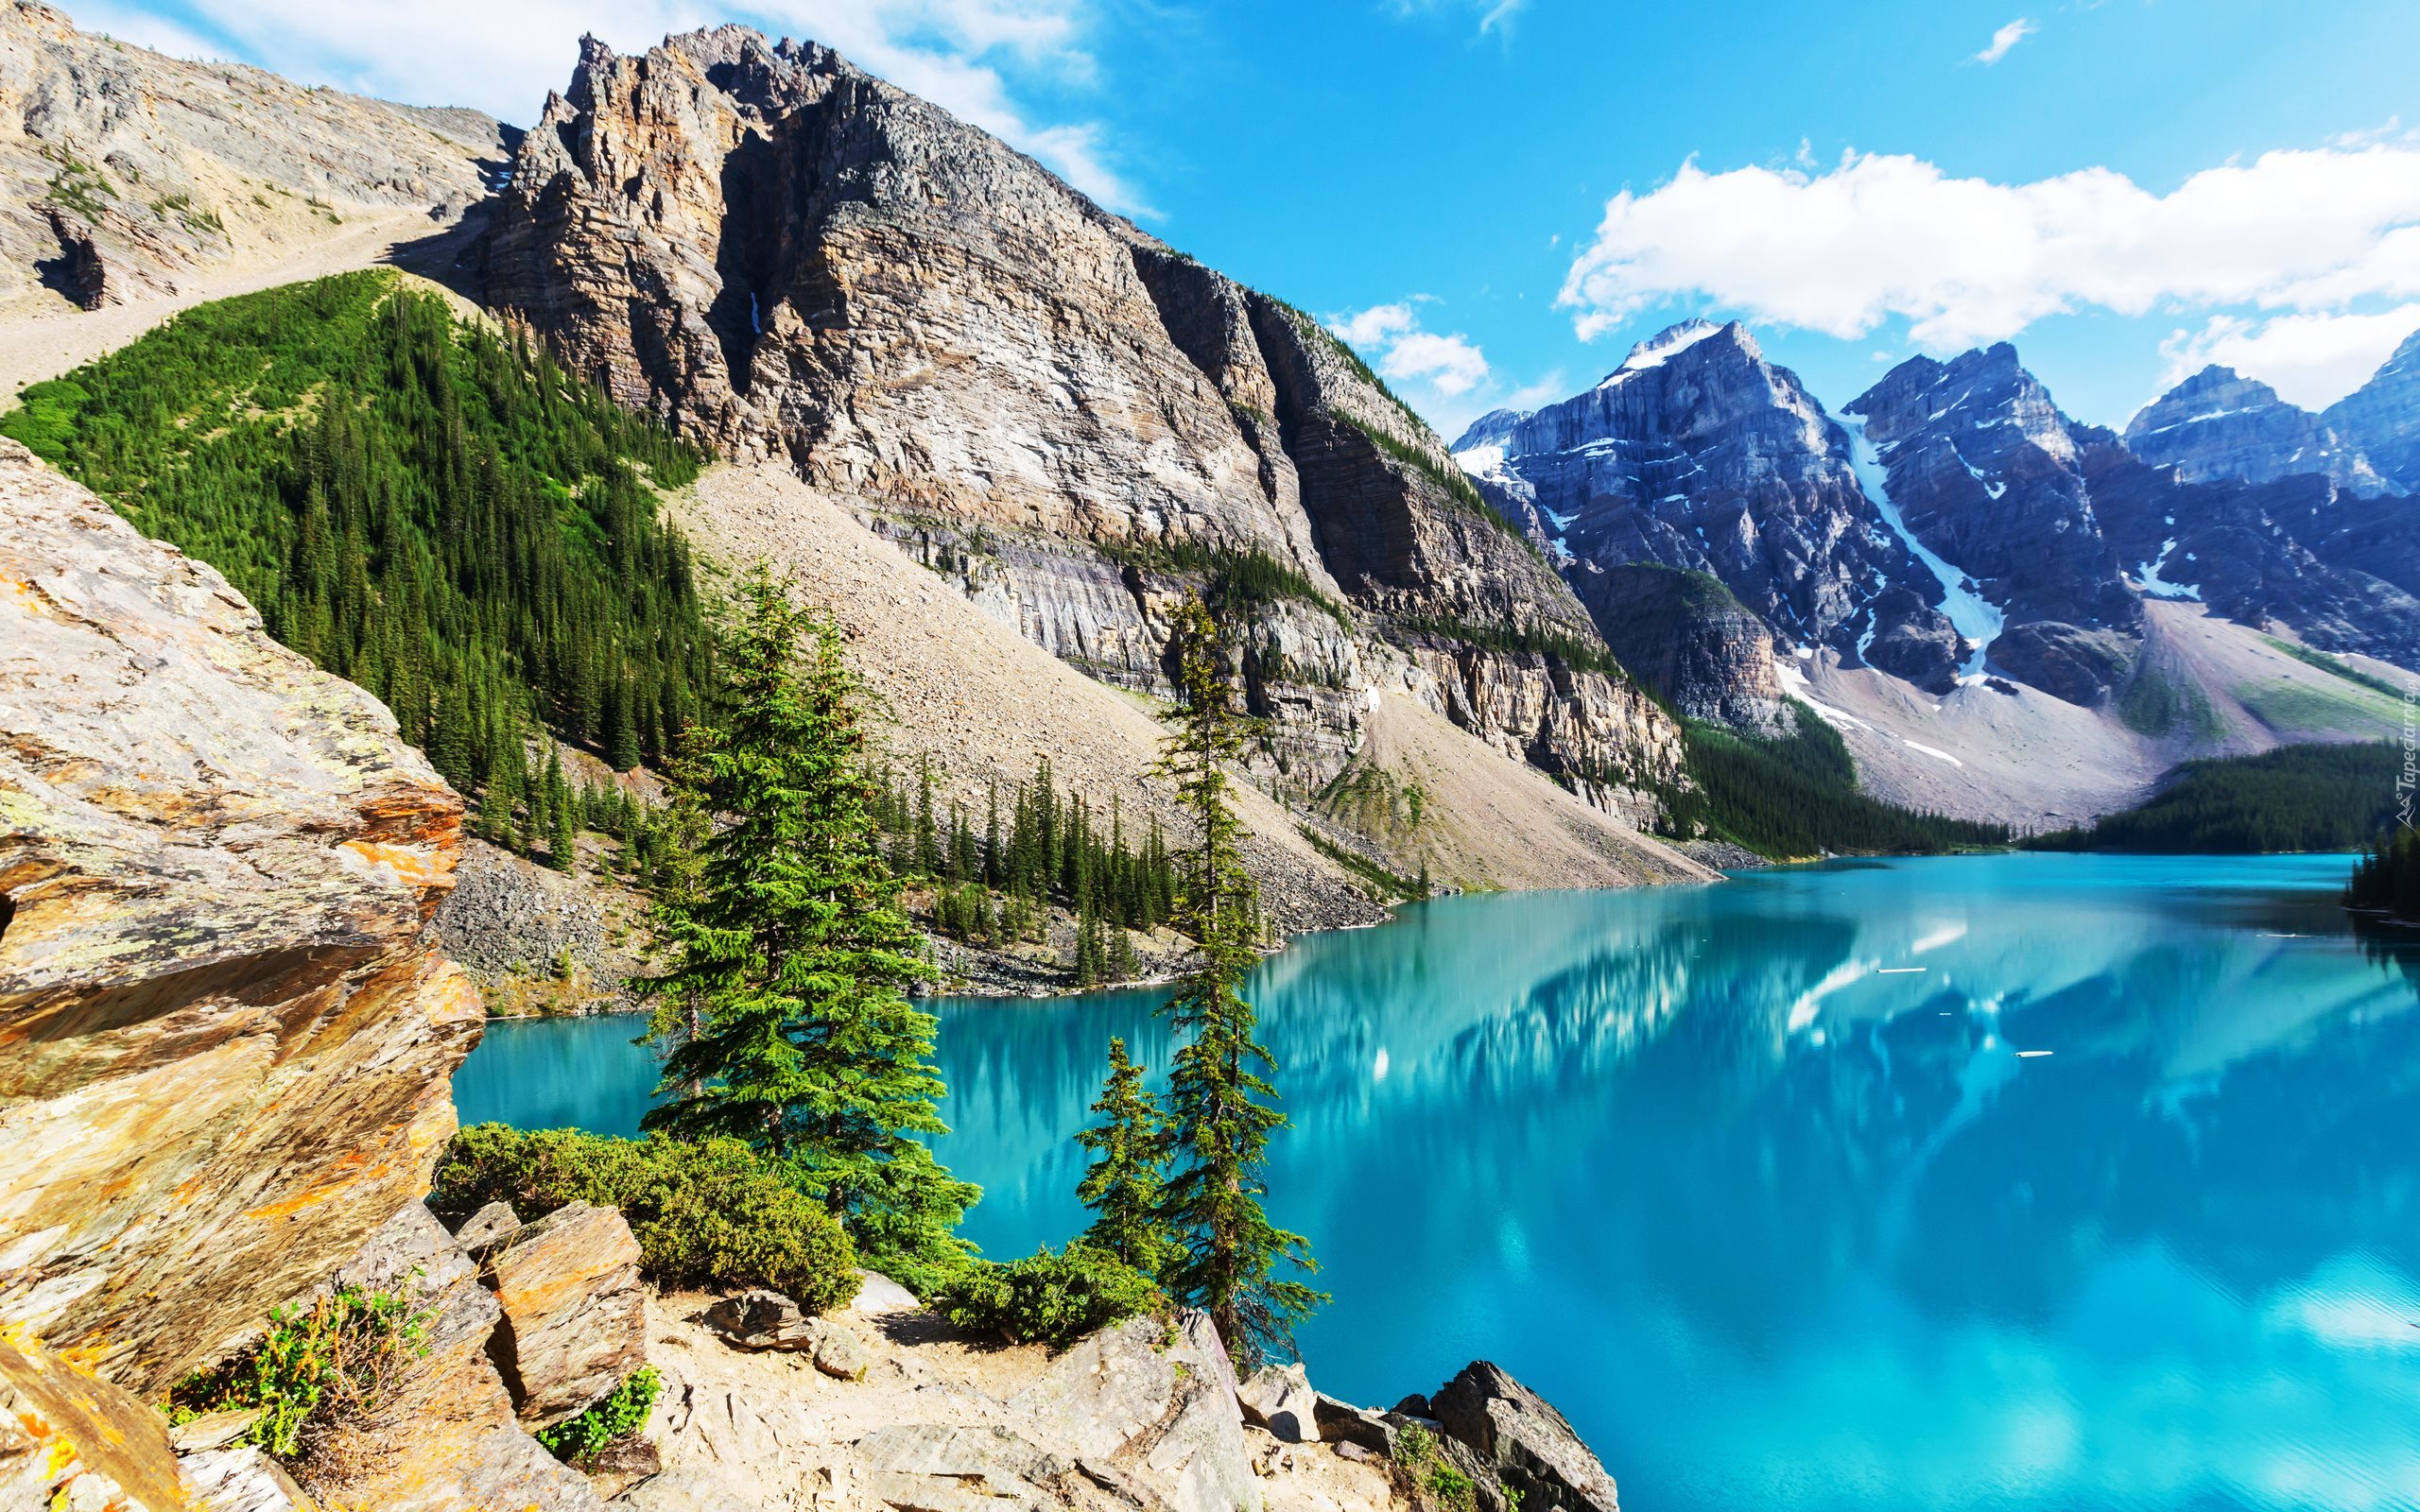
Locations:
column 225, row 1046
column 2219, row 424
column 796, row 260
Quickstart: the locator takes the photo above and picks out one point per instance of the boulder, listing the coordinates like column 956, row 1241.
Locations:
column 239, row 1478
column 1157, row 1409
column 1520, row 1436
column 1279, row 1398
column 878, row 1293
column 762, row 1319
column 1343, row 1423
column 840, row 1352
column 575, row 1319
column 491, row 1225
column 448, row 1437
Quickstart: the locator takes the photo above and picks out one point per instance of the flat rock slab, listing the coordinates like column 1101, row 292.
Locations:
column 575, row 1318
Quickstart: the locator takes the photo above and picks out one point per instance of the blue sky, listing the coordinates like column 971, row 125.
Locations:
column 1494, row 198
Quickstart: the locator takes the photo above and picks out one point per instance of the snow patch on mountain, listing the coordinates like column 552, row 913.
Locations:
column 1973, row 615
column 1660, row 348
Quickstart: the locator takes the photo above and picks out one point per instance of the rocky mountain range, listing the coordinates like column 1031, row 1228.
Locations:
column 1952, row 523
column 793, row 260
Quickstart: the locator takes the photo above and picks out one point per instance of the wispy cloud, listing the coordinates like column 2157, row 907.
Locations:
column 2004, row 39
column 1495, row 16
column 1446, row 377
column 2312, row 360
column 969, row 56
column 2332, row 230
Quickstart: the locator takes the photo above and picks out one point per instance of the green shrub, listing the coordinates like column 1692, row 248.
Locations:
column 1414, row 1444
column 1451, row 1487
column 709, row 1214
column 315, row 1368
column 1049, row 1298
column 622, row 1413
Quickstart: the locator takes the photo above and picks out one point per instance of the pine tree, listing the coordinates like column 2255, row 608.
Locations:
column 1121, row 1187
column 1218, row 1117
column 796, row 954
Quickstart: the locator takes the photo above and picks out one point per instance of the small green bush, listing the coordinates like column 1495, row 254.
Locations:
column 1414, row 1444
column 708, row 1214
column 1049, row 1298
column 622, row 1413
column 315, row 1368
column 1450, row 1486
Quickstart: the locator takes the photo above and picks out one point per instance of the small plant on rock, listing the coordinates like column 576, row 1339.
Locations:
column 315, row 1370
column 623, row 1412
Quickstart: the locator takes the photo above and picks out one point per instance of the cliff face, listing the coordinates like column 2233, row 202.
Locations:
column 125, row 172
column 224, row 1043
column 796, row 260
column 2382, row 417
column 1688, row 638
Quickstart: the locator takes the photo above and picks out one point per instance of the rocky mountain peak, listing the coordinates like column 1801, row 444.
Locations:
column 2381, row 418
column 797, row 262
column 2219, row 425
column 1986, row 472
column 1656, row 349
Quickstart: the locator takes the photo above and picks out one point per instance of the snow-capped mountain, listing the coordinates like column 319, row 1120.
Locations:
column 1951, row 521
column 1986, row 472
column 1697, row 454
column 2219, row 424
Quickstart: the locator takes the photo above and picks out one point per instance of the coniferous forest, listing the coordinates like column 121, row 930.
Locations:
column 1797, row 796
column 430, row 508
column 2297, row 798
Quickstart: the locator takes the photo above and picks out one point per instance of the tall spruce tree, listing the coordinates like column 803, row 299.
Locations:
column 794, row 954
column 1219, row 1117
column 1121, row 1187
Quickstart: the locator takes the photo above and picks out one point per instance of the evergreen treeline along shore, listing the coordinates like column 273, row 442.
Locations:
column 2297, row 798
column 1797, row 796
column 424, row 506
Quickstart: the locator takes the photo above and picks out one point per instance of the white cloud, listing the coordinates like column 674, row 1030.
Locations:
column 1445, row 377
column 1968, row 260
column 2311, row 360
column 503, row 58
column 2004, row 39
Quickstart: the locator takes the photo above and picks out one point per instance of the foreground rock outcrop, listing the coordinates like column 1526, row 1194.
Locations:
column 227, row 1045
column 1067, row 419
column 225, row 1040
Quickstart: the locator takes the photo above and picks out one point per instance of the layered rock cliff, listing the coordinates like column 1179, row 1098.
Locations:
column 125, row 173
column 225, row 1040
column 2382, row 417
column 1690, row 640
column 793, row 259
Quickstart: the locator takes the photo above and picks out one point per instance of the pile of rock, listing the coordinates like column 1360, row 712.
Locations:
column 1496, row 1432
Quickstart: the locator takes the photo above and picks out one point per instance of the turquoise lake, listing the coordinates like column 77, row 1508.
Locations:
column 2023, row 1181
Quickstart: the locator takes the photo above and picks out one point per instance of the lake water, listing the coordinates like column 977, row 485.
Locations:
column 2028, row 1181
